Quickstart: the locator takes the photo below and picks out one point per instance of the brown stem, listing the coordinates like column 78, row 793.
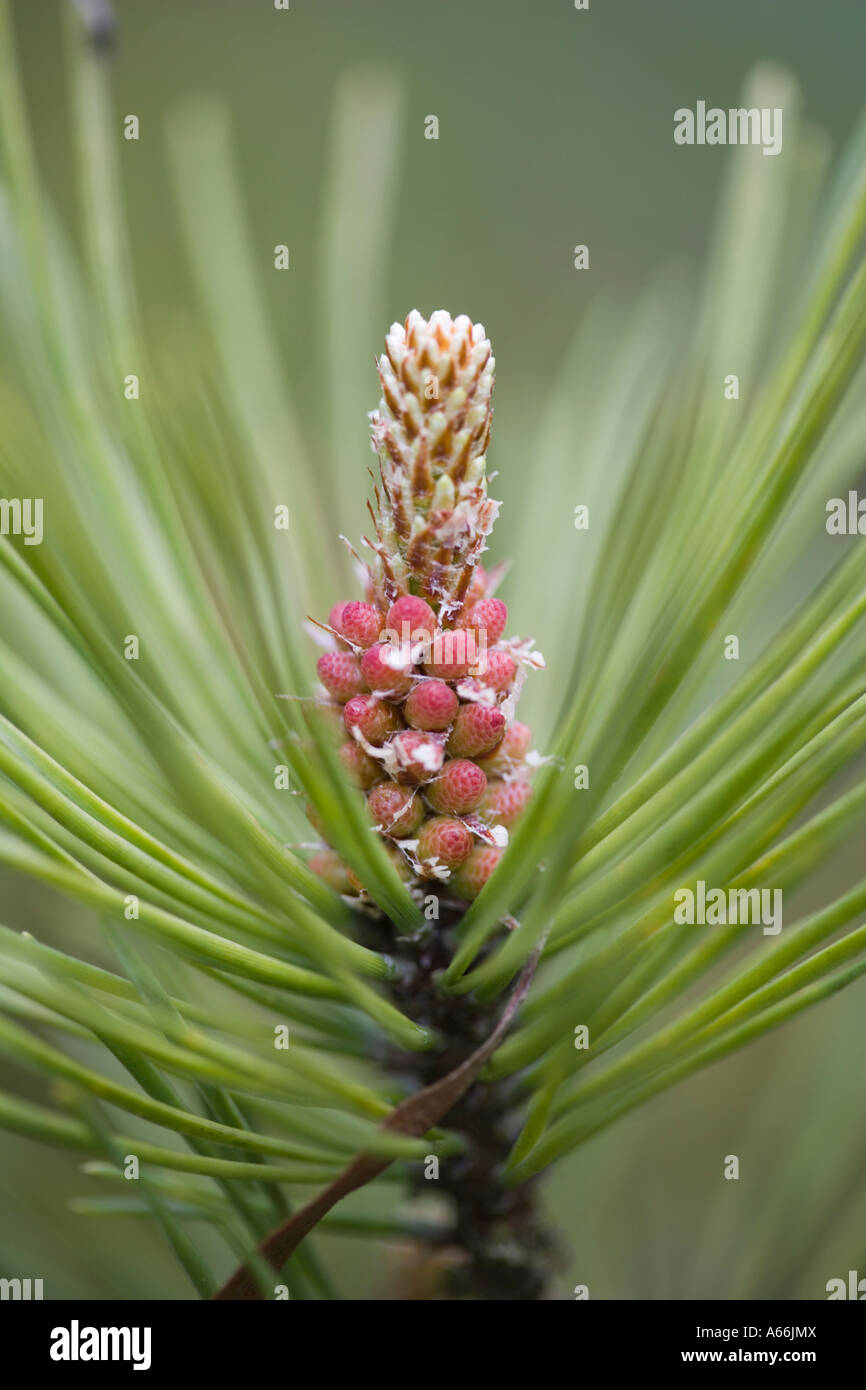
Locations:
column 413, row 1117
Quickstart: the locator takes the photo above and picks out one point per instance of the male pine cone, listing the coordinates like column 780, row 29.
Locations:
column 420, row 672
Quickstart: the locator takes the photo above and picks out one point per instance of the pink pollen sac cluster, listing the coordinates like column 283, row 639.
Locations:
column 371, row 717
column 475, row 870
column 360, row 623
column 388, row 670
column 410, row 619
column 417, row 756
column 444, row 840
column 396, row 810
column 458, row 788
column 477, row 729
column 509, row 755
column 504, row 802
column 489, row 616
column 341, row 675
column 453, row 654
column 428, row 735
column 497, row 671
column 431, row 705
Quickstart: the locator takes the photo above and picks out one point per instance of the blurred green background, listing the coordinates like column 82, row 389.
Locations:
column 555, row 129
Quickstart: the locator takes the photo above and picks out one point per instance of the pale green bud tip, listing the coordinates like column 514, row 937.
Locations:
column 443, row 493
column 431, row 433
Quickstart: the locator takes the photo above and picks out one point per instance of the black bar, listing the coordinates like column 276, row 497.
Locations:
column 254, row 1339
